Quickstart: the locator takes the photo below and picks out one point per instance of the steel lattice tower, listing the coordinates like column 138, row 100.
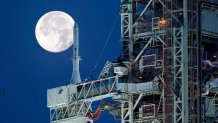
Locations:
column 156, row 78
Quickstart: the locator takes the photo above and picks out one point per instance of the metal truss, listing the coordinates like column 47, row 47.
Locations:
column 151, row 40
column 126, row 29
column 81, row 98
column 179, row 46
column 210, row 109
column 180, row 76
column 79, row 109
column 127, row 111
column 105, row 70
column 127, row 108
column 156, row 35
column 94, row 90
column 131, row 30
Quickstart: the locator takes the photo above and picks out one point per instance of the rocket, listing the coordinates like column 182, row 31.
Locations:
column 75, row 79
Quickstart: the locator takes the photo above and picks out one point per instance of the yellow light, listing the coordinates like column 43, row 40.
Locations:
column 162, row 21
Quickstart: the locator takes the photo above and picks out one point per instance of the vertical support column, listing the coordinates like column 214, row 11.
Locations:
column 127, row 29
column 184, row 88
column 122, row 112
column 177, row 62
column 127, row 47
column 127, row 110
column 180, row 61
column 131, row 110
column 199, row 63
column 180, row 58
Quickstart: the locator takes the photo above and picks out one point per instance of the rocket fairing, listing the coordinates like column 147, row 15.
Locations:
column 76, row 58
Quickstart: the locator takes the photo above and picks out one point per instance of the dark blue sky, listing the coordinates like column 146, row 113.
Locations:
column 27, row 70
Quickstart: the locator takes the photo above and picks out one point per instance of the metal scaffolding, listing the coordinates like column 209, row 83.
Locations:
column 155, row 80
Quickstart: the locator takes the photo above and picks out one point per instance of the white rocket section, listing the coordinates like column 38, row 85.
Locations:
column 76, row 58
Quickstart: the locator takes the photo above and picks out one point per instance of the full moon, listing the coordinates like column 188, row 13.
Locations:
column 54, row 31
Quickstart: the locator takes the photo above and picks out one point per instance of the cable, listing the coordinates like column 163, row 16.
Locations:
column 102, row 51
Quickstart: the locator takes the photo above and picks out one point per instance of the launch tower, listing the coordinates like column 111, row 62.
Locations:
column 167, row 71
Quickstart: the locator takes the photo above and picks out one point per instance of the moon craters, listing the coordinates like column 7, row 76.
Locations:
column 54, row 31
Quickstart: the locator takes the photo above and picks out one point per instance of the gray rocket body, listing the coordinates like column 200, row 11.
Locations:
column 76, row 58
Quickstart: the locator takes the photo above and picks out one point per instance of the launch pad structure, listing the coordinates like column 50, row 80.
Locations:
column 167, row 71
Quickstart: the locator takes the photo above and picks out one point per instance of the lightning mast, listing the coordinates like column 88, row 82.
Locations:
column 76, row 58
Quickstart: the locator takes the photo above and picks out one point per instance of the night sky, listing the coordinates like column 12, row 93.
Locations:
column 27, row 70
